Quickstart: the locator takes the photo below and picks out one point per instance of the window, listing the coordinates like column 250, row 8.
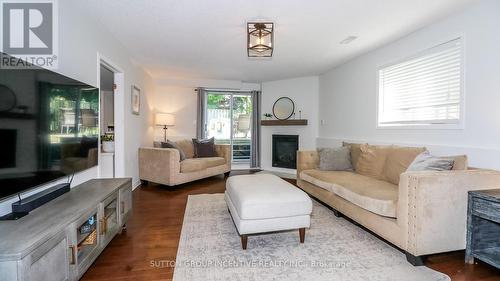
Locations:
column 423, row 90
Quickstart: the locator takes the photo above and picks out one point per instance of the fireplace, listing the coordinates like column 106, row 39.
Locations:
column 285, row 151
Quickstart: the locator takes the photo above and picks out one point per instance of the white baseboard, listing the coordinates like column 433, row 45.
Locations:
column 136, row 184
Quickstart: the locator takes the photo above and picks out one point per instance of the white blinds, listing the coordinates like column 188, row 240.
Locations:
column 423, row 90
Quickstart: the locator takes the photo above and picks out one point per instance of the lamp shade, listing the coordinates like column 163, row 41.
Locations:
column 165, row 119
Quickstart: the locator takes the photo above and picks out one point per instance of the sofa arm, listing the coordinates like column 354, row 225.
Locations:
column 306, row 160
column 159, row 165
column 92, row 157
column 434, row 204
column 224, row 150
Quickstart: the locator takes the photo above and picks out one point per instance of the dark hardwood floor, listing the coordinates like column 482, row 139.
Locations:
column 154, row 229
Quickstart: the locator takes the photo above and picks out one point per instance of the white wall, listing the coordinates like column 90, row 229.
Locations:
column 80, row 41
column 179, row 97
column 304, row 93
column 348, row 92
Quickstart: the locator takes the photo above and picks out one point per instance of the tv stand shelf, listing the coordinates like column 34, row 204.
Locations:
column 47, row 245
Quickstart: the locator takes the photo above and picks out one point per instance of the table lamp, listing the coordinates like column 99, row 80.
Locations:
column 166, row 120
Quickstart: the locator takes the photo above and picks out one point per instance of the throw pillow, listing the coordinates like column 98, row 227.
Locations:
column 171, row 144
column 335, row 159
column 460, row 162
column 398, row 160
column 372, row 160
column 204, row 148
column 355, row 152
column 187, row 147
column 426, row 162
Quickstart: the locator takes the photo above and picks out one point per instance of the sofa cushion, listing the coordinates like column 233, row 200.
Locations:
column 398, row 160
column 213, row 161
column 371, row 162
column 355, row 152
column 197, row 164
column 187, row 147
column 377, row 196
column 192, row 165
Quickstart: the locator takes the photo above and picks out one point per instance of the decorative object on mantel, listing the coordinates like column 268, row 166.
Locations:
column 22, row 109
column 260, row 37
column 283, row 108
column 483, row 227
column 268, row 116
column 136, row 100
column 166, row 120
column 289, row 122
column 108, row 143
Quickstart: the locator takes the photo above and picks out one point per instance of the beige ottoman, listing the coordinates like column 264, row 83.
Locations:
column 264, row 203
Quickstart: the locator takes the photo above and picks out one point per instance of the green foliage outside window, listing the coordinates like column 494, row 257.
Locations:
column 241, row 104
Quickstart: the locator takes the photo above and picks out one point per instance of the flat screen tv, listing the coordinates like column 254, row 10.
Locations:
column 48, row 128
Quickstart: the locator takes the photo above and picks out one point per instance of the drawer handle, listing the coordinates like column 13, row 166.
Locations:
column 101, row 227
column 122, row 207
column 73, row 254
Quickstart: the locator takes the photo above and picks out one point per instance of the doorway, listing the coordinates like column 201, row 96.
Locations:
column 229, row 121
column 110, row 79
column 106, row 122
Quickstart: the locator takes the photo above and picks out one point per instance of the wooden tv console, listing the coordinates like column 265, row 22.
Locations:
column 61, row 239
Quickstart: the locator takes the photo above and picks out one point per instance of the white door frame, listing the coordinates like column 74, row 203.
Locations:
column 119, row 112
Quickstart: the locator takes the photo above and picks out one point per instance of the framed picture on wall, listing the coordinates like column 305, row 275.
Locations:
column 136, row 100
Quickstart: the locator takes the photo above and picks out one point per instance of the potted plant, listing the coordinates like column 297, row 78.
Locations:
column 108, row 143
column 268, row 116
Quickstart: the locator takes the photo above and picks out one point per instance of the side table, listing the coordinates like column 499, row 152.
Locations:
column 483, row 227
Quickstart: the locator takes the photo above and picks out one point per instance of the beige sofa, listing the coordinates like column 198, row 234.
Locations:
column 163, row 165
column 422, row 212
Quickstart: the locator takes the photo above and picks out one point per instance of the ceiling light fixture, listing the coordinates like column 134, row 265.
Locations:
column 260, row 37
column 348, row 40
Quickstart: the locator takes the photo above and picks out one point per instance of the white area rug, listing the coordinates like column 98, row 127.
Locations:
column 334, row 249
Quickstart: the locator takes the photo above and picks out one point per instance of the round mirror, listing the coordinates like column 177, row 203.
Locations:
column 283, row 108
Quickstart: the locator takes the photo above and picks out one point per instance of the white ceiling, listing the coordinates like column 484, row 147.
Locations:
column 207, row 38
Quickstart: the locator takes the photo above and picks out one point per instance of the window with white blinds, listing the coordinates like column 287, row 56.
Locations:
column 423, row 90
